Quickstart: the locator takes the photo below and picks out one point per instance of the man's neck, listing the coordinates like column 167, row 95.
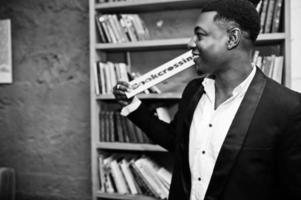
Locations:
column 227, row 80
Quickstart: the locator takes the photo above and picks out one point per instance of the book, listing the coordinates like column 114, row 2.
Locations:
column 124, row 165
column 101, row 173
column 269, row 17
column 146, row 166
column 5, row 52
column 118, row 178
column 277, row 15
column 101, row 31
column 141, row 180
column 278, row 69
column 96, row 79
column 109, row 186
column 263, row 15
column 102, row 126
column 119, row 130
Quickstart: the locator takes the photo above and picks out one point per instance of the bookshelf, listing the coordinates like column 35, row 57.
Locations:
column 160, row 48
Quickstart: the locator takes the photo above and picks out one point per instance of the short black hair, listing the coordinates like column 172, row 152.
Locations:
column 241, row 12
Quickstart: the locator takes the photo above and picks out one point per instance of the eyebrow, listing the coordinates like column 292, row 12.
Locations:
column 198, row 28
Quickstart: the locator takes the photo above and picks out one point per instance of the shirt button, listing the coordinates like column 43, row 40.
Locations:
column 199, row 179
column 210, row 125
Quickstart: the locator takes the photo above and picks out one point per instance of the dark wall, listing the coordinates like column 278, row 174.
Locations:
column 44, row 114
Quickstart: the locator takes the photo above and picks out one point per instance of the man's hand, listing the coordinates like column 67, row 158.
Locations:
column 119, row 92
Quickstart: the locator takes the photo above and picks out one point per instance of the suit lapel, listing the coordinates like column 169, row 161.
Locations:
column 236, row 136
column 190, row 111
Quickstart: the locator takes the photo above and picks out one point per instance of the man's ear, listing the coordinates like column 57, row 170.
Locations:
column 234, row 38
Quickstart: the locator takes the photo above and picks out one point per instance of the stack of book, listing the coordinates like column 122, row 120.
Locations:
column 116, row 128
column 107, row 74
column 134, row 176
column 272, row 66
column 121, row 28
column 270, row 14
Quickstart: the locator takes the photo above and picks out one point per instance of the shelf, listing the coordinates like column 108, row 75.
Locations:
column 163, row 96
column 123, row 196
column 144, row 45
column 174, row 43
column 147, row 5
column 270, row 38
column 130, row 146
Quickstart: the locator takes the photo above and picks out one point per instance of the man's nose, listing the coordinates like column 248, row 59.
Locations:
column 191, row 44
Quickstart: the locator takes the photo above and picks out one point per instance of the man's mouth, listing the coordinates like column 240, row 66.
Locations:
column 195, row 57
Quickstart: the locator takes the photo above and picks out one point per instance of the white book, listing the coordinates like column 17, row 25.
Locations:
column 150, row 175
column 118, row 178
column 124, row 165
column 96, row 81
column 102, row 78
column 278, row 69
column 164, row 174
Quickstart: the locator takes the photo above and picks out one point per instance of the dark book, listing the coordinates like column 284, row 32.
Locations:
column 101, row 31
column 102, row 20
column 107, row 126
column 139, row 135
column 102, row 128
column 125, row 129
column 131, row 131
column 263, row 15
column 277, row 16
column 269, row 17
column 112, row 128
column 118, row 126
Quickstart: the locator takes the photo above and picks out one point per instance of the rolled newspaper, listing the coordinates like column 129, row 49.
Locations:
column 160, row 73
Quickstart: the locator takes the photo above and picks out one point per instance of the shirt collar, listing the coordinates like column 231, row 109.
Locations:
column 209, row 84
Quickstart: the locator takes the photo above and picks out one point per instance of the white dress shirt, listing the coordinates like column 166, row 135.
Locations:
column 208, row 130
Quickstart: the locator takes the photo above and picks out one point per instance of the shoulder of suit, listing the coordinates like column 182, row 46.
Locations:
column 192, row 86
column 283, row 94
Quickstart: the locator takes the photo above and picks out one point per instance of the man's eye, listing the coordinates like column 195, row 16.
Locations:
column 199, row 36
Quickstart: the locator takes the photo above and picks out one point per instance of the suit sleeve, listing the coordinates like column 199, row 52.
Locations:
column 160, row 132
column 289, row 160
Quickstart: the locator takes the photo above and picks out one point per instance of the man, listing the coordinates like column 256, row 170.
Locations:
column 237, row 133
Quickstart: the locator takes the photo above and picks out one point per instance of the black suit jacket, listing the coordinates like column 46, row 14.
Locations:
column 260, row 158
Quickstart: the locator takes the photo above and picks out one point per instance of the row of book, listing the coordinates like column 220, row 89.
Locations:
column 107, row 74
column 121, row 28
column 272, row 66
column 270, row 14
column 136, row 176
column 117, row 128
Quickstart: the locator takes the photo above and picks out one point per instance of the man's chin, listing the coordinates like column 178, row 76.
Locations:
column 201, row 69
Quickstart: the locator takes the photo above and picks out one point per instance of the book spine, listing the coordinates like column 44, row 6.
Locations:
column 269, row 18
column 263, row 15
column 277, row 15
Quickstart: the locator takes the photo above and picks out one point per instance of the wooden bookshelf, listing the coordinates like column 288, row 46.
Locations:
column 120, row 196
column 175, row 43
column 147, row 5
column 163, row 96
column 130, row 146
column 102, row 51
